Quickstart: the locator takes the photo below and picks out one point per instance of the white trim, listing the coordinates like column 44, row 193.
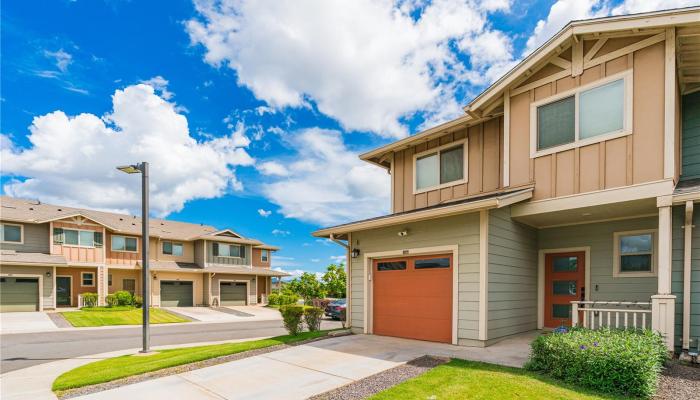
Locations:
column 111, row 240
column 483, row 274
column 541, row 282
column 627, row 128
column 54, row 287
column 616, row 273
column 368, row 283
column 506, row 138
column 664, row 256
column 70, row 298
column 437, row 150
column 247, row 289
column 670, row 103
column 94, row 278
column 40, row 283
column 21, row 233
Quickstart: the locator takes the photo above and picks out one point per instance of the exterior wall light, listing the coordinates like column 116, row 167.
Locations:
column 403, row 233
column 355, row 253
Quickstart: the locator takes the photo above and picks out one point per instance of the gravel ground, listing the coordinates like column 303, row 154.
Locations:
column 179, row 369
column 679, row 382
column 366, row 387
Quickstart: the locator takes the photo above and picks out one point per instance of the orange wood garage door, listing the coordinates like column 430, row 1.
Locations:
column 412, row 297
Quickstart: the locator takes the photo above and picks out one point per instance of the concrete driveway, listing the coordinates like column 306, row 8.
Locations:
column 227, row 314
column 20, row 322
column 303, row 371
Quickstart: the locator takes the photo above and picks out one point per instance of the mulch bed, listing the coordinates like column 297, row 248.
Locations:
column 370, row 385
column 70, row 393
column 679, row 381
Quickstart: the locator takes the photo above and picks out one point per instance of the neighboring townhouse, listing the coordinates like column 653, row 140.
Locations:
column 50, row 255
column 570, row 180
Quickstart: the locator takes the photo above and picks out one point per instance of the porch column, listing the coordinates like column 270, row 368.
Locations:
column 663, row 303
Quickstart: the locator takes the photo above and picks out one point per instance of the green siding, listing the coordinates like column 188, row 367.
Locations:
column 599, row 237
column 677, row 277
column 690, row 122
column 211, row 259
column 462, row 230
column 512, row 284
column 36, row 239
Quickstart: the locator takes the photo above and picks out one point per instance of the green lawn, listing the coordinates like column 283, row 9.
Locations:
column 460, row 379
column 104, row 316
column 121, row 367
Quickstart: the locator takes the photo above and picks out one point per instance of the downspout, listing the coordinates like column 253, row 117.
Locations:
column 687, row 253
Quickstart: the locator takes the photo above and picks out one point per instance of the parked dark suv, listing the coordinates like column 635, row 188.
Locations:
column 334, row 308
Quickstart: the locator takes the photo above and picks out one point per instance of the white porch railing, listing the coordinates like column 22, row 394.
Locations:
column 611, row 314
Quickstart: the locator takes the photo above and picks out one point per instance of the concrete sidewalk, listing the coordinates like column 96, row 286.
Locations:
column 23, row 322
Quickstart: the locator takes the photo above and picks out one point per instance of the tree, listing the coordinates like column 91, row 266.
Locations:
column 308, row 287
column 334, row 280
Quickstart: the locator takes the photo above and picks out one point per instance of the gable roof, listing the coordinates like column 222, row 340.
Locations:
column 30, row 211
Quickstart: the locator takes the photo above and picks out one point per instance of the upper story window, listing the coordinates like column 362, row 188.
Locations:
column 588, row 114
column 11, row 233
column 173, row 248
column 77, row 237
column 264, row 255
column 125, row 243
column 440, row 167
column 634, row 254
column 228, row 250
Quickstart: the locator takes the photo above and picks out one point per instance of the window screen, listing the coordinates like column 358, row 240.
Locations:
column 452, row 165
column 433, row 263
column 427, row 171
column 556, row 123
column 601, row 109
column 636, row 253
column 391, row 266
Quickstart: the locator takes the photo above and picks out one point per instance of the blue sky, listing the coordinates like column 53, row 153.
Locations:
column 251, row 113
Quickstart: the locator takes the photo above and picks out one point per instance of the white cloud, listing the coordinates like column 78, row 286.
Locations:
column 61, row 58
column 160, row 84
column 72, row 159
column 272, row 168
column 338, row 259
column 368, row 64
column 315, row 260
column 264, row 213
column 280, row 232
column 638, row 6
column 327, row 183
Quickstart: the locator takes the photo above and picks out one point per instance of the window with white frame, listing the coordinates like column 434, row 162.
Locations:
column 11, row 233
column 87, row 279
column 77, row 237
column 588, row 114
column 173, row 248
column 125, row 243
column 634, row 253
column 264, row 255
column 228, row 250
column 441, row 167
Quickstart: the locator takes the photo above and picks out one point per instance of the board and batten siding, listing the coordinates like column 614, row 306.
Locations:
column 691, row 136
column 47, row 282
column 512, row 276
column 36, row 239
column 461, row 230
column 678, row 245
column 484, row 155
column 199, row 253
column 227, row 260
column 599, row 236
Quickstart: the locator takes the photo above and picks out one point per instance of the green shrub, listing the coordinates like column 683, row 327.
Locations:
column 312, row 317
column 89, row 299
column 124, row 298
column 292, row 317
column 273, row 299
column 282, row 299
column 111, row 300
column 626, row 362
column 138, row 301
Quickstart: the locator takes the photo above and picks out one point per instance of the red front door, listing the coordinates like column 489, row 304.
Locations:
column 564, row 278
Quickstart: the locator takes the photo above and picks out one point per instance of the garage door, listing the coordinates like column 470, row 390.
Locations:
column 412, row 297
column 233, row 293
column 176, row 294
column 19, row 294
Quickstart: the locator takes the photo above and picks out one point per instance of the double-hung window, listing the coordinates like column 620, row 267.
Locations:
column 87, row 279
column 264, row 255
column 228, row 250
column 10, row 233
column 441, row 167
column 173, row 248
column 634, row 254
column 124, row 243
column 77, row 237
column 588, row 114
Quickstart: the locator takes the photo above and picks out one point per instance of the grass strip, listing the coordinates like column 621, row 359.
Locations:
column 124, row 366
column 104, row 316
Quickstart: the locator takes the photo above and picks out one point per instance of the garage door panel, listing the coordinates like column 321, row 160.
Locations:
column 233, row 293
column 176, row 294
column 413, row 303
column 19, row 294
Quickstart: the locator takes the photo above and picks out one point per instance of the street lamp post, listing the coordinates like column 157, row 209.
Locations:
column 142, row 169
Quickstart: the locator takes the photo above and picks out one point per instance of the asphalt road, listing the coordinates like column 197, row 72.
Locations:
column 23, row 350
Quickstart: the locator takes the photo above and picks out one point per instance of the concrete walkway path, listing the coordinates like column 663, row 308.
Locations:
column 21, row 322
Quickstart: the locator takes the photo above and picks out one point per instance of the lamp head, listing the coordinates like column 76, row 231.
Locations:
column 130, row 169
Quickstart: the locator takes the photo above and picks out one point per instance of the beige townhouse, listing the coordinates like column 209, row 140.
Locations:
column 564, row 195
column 50, row 255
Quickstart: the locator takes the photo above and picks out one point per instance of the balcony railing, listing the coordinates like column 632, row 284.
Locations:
column 611, row 314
